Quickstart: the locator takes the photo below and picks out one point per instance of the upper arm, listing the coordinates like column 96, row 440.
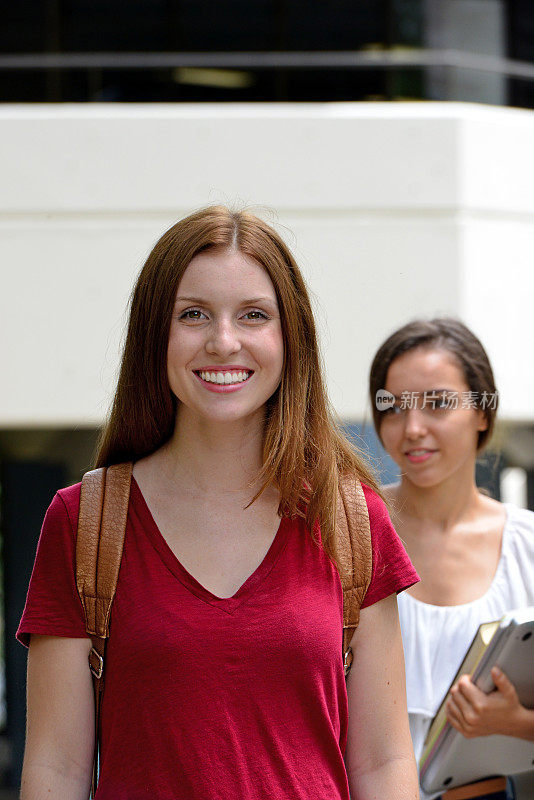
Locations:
column 378, row 718
column 60, row 718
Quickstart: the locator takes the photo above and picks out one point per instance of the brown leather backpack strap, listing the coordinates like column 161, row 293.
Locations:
column 481, row 789
column 353, row 553
column 104, row 499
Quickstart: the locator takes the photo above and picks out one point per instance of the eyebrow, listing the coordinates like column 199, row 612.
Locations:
column 203, row 302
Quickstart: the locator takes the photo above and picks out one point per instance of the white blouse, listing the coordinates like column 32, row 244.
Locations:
column 436, row 638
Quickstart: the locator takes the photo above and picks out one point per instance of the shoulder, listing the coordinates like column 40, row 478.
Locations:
column 383, row 534
column 520, row 526
column 61, row 518
column 53, row 606
column 392, row 570
column 376, row 508
column 521, row 518
column 66, row 503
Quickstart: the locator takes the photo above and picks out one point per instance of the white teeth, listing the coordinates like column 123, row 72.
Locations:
column 224, row 377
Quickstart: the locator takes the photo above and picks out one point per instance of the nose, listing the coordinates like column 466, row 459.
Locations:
column 223, row 339
column 414, row 424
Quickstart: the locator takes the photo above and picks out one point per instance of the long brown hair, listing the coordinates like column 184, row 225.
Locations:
column 304, row 450
column 444, row 333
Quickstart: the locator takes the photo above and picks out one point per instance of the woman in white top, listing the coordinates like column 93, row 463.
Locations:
column 475, row 555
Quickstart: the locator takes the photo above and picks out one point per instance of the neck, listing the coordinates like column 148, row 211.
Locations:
column 442, row 505
column 208, row 456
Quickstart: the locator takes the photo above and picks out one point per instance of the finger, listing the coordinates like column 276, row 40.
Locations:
column 455, row 711
column 468, row 710
column 453, row 715
column 456, row 719
column 503, row 684
column 467, row 689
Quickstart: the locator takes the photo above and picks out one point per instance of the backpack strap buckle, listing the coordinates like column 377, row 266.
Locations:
column 96, row 663
column 347, row 660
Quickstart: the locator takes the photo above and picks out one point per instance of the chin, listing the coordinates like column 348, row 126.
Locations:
column 228, row 415
column 424, row 481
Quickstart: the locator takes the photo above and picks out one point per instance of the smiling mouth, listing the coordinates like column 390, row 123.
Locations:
column 418, row 455
column 224, row 378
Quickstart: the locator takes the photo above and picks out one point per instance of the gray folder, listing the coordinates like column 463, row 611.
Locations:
column 455, row 760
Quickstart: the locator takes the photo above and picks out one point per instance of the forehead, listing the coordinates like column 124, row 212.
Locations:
column 229, row 270
column 423, row 369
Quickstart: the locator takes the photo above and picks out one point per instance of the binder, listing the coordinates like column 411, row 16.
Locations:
column 448, row 758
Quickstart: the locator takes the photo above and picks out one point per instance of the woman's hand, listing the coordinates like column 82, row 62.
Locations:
column 474, row 713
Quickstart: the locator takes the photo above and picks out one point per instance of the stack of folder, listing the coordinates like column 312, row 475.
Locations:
column 448, row 758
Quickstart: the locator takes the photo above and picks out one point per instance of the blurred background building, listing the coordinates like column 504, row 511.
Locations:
column 267, row 50
column 118, row 118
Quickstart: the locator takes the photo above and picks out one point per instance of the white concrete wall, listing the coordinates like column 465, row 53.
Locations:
column 393, row 211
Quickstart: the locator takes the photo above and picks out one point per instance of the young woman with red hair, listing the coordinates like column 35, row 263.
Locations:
column 224, row 675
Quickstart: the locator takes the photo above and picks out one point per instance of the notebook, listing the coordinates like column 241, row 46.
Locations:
column 448, row 758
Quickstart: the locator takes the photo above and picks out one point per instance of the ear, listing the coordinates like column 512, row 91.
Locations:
column 482, row 424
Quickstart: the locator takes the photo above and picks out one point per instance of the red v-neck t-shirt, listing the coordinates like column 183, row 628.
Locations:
column 209, row 698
